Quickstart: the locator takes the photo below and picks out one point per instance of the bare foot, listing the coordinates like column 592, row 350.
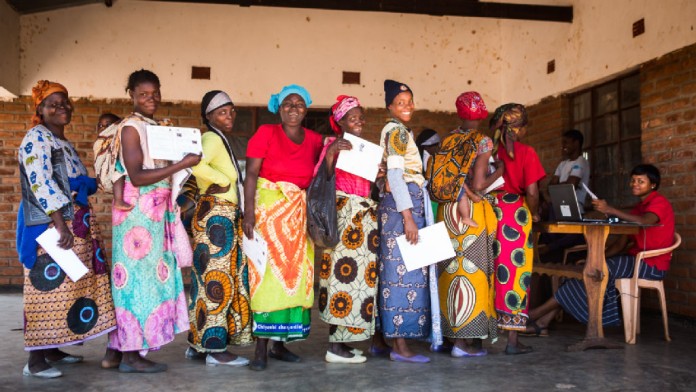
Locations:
column 37, row 361
column 112, row 358
column 55, row 355
column 261, row 351
column 469, row 222
column 400, row 347
column 134, row 360
column 122, row 205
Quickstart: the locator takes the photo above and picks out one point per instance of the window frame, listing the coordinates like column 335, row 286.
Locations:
column 594, row 145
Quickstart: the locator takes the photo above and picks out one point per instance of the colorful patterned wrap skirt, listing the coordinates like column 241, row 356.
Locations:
column 146, row 279
column 59, row 312
column 219, row 296
column 513, row 252
column 282, row 294
column 466, row 281
column 404, row 302
column 348, row 272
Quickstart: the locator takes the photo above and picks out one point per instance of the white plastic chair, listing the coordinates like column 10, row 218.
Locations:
column 630, row 294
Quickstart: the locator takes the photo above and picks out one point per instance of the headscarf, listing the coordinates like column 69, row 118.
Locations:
column 507, row 121
column 470, row 106
column 41, row 91
column 277, row 99
column 344, row 103
column 213, row 100
column 392, row 88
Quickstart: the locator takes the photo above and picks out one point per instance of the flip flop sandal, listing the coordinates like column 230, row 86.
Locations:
column 539, row 332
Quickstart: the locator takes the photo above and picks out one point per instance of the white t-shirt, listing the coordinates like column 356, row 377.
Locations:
column 577, row 168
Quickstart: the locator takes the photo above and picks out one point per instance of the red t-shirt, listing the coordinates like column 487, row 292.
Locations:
column 283, row 159
column 657, row 237
column 522, row 171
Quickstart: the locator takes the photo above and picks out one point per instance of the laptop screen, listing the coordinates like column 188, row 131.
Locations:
column 565, row 202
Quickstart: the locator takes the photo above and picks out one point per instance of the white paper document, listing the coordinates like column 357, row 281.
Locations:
column 66, row 258
column 178, row 180
column 256, row 251
column 589, row 192
column 433, row 245
column 498, row 183
column 173, row 143
column 362, row 160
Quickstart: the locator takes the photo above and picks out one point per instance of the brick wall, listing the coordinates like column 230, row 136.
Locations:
column 668, row 117
column 15, row 119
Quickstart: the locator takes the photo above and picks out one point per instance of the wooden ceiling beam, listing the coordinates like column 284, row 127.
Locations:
column 32, row 6
column 467, row 8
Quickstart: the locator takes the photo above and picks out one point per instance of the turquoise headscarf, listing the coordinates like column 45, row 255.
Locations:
column 276, row 99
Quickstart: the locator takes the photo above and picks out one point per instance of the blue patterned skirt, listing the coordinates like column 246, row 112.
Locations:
column 404, row 297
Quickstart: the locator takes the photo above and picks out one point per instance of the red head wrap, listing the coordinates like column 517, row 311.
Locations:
column 470, row 106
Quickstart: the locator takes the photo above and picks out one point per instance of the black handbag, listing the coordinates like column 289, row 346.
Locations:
column 322, row 219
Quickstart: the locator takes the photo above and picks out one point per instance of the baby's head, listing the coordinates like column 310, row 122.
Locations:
column 105, row 120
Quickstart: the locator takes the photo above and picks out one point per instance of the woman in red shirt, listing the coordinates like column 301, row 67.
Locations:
column 517, row 208
column 653, row 209
column 280, row 165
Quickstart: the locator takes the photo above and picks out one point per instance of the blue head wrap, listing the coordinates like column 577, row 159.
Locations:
column 276, row 99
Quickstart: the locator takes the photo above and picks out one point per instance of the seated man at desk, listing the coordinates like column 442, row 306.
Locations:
column 573, row 169
column 653, row 209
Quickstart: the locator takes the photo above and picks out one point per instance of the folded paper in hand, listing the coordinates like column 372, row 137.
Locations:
column 66, row 258
column 498, row 183
column 362, row 160
column 433, row 245
column 178, row 180
column 256, row 250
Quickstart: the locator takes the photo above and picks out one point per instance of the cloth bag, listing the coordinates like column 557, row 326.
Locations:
column 322, row 219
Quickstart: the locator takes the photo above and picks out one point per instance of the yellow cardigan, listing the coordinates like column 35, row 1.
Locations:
column 216, row 167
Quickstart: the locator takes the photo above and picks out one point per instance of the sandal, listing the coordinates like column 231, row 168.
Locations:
column 539, row 332
column 519, row 349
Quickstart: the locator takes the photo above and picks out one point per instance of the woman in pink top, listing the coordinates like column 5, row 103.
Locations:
column 348, row 272
column 280, row 164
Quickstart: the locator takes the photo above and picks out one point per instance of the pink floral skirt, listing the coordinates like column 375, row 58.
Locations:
column 146, row 282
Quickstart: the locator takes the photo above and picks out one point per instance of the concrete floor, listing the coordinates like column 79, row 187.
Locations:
column 652, row 364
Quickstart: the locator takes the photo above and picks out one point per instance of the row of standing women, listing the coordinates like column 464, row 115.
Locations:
column 365, row 290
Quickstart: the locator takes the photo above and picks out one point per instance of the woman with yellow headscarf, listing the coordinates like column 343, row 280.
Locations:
column 517, row 208
column 58, row 311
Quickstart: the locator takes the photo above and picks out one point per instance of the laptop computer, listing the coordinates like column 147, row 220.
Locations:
column 565, row 204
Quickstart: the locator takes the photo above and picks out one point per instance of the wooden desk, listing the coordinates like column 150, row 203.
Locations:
column 595, row 273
